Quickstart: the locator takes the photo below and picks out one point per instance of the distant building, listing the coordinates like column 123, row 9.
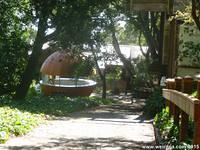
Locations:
column 129, row 51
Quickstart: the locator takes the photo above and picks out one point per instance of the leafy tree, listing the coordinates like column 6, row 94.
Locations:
column 42, row 11
column 188, row 44
column 148, row 23
column 76, row 26
column 112, row 15
column 14, row 45
column 130, row 35
column 73, row 23
column 104, row 57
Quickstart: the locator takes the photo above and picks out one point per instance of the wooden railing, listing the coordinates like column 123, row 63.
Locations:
column 182, row 105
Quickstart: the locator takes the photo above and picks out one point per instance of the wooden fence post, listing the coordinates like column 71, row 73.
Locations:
column 186, row 88
column 196, row 138
column 170, row 85
column 187, row 84
column 178, row 83
column 198, row 89
column 178, row 87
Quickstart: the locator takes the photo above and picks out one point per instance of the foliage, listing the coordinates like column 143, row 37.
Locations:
column 189, row 46
column 105, row 57
column 83, row 67
column 19, row 117
column 12, row 63
column 143, row 77
column 169, row 132
column 129, row 34
column 32, row 90
column 192, row 49
column 55, row 105
column 186, row 15
column 113, row 75
column 189, row 37
column 155, row 103
column 16, row 122
column 194, row 94
column 190, row 131
column 75, row 24
column 147, row 28
column 113, row 72
column 14, row 48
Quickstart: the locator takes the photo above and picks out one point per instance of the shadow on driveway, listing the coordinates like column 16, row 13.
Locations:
column 85, row 143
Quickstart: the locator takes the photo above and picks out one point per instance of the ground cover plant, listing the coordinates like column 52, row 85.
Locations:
column 19, row 117
column 16, row 122
column 155, row 103
column 169, row 132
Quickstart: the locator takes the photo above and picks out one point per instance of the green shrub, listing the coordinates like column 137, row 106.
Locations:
column 155, row 103
column 16, row 122
column 32, row 90
column 162, row 119
column 194, row 94
column 190, row 132
column 60, row 105
column 165, row 124
column 143, row 77
column 169, row 131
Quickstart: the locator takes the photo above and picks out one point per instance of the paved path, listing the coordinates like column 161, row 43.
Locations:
column 116, row 127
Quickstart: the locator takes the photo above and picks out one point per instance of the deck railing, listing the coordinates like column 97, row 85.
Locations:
column 182, row 105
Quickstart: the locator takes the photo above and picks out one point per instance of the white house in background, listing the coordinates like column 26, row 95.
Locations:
column 129, row 51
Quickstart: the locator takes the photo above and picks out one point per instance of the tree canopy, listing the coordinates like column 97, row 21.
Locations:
column 78, row 25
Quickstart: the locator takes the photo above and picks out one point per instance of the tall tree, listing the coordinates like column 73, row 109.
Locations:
column 73, row 23
column 42, row 10
column 14, row 43
column 114, row 13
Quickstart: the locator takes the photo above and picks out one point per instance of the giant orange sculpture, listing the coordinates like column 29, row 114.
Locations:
column 56, row 70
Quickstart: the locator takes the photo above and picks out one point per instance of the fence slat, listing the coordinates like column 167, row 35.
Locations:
column 196, row 137
column 186, row 88
column 178, row 87
column 181, row 100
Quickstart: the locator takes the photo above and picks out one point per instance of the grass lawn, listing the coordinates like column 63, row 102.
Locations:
column 19, row 117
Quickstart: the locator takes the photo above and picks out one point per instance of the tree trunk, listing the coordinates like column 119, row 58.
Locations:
column 102, row 75
column 104, row 86
column 160, row 52
column 151, row 41
column 146, row 55
column 127, row 63
column 30, row 70
column 195, row 8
